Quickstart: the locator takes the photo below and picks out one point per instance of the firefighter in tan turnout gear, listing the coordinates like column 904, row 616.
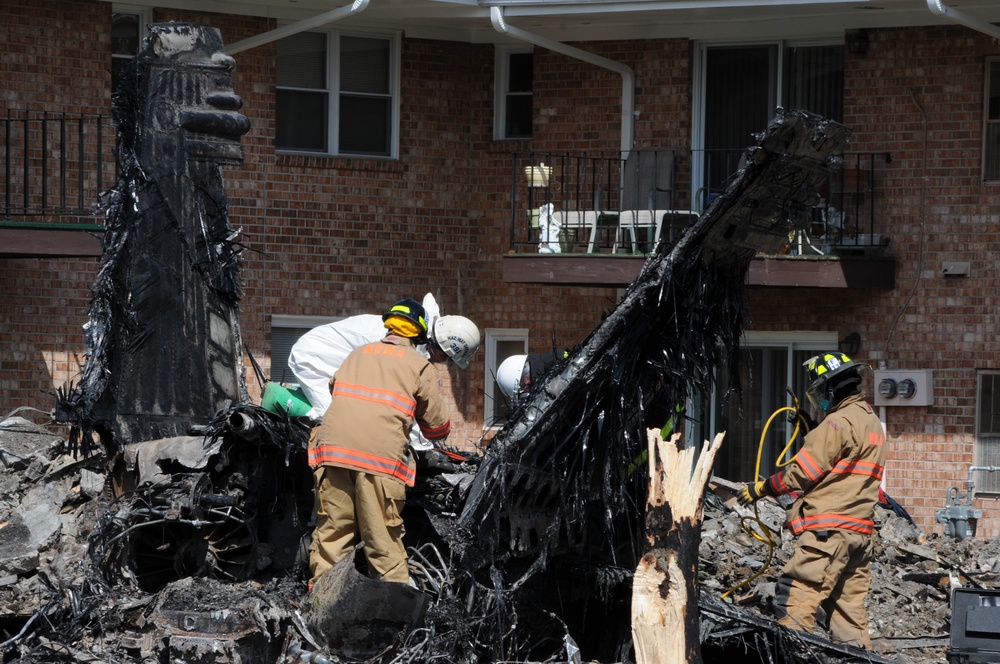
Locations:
column 360, row 454
column 838, row 470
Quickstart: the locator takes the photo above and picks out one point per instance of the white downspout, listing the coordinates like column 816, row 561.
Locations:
column 300, row 26
column 939, row 8
column 628, row 76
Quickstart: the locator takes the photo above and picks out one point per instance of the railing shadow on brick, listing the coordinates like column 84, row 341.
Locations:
column 636, row 202
column 54, row 165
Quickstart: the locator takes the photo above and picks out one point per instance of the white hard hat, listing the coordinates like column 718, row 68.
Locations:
column 509, row 375
column 458, row 337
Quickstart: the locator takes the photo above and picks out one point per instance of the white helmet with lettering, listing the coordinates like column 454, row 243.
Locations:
column 509, row 376
column 458, row 337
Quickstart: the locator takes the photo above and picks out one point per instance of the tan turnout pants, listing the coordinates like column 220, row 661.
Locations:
column 831, row 570
column 352, row 506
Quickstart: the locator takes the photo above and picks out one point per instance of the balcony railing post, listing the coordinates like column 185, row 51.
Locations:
column 26, row 169
column 79, row 166
column 6, row 165
column 45, row 153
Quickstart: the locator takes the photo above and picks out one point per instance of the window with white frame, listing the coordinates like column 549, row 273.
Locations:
column 991, row 121
column 514, row 79
column 285, row 331
column 500, row 344
column 128, row 28
column 987, row 431
column 771, row 362
column 338, row 93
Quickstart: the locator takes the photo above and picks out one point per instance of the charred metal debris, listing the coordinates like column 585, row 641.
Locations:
column 523, row 554
column 163, row 342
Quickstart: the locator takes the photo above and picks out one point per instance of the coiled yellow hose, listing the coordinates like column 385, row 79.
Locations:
column 762, row 533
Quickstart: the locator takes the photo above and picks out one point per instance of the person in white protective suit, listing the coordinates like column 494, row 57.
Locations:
column 317, row 355
column 516, row 374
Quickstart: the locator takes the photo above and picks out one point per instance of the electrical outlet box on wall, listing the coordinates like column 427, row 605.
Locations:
column 904, row 388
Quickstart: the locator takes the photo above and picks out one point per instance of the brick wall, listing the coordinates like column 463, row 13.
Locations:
column 43, row 67
column 57, row 60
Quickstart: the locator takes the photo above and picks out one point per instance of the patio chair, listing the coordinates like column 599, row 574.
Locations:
column 646, row 194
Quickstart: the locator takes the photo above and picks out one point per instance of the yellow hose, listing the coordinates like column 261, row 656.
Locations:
column 763, row 533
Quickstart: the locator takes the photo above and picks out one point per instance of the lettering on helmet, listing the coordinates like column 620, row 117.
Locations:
column 455, row 343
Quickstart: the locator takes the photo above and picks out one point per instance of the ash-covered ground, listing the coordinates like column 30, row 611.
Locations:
column 56, row 607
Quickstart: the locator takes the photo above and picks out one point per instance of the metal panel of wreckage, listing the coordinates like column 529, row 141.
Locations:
column 526, row 553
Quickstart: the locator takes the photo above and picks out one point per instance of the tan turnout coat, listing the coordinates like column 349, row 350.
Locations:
column 839, row 469
column 378, row 392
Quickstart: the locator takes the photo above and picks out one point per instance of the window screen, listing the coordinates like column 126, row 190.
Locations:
column 743, row 89
column 991, row 115
column 767, row 373
column 500, row 344
column 513, row 87
column 520, row 81
column 988, row 431
column 302, row 103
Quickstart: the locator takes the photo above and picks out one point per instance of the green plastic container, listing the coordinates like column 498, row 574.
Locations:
column 280, row 399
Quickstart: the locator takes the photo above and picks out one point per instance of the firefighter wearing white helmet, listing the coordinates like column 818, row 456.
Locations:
column 509, row 376
column 516, row 373
column 456, row 336
column 318, row 354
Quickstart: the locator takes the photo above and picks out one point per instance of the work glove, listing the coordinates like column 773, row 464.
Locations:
column 751, row 493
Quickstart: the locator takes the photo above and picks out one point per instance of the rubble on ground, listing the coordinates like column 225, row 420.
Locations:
column 54, row 606
column 914, row 571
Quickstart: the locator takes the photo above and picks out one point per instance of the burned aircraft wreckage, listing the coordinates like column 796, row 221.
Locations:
column 523, row 554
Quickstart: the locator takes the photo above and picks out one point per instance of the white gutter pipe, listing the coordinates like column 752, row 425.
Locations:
column 301, row 26
column 939, row 8
column 628, row 76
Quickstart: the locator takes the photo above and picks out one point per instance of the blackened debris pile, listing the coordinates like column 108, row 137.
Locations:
column 196, row 558
column 55, row 605
column 227, row 504
column 912, row 578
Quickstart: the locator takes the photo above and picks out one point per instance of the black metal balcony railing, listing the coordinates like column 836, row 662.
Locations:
column 635, row 202
column 54, row 164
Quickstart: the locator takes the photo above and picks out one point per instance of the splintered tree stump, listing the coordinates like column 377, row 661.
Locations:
column 665, row 618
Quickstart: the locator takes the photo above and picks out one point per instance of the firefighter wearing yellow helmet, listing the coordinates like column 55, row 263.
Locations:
column 317, row 355
column 838, row 472
column 360, row 454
